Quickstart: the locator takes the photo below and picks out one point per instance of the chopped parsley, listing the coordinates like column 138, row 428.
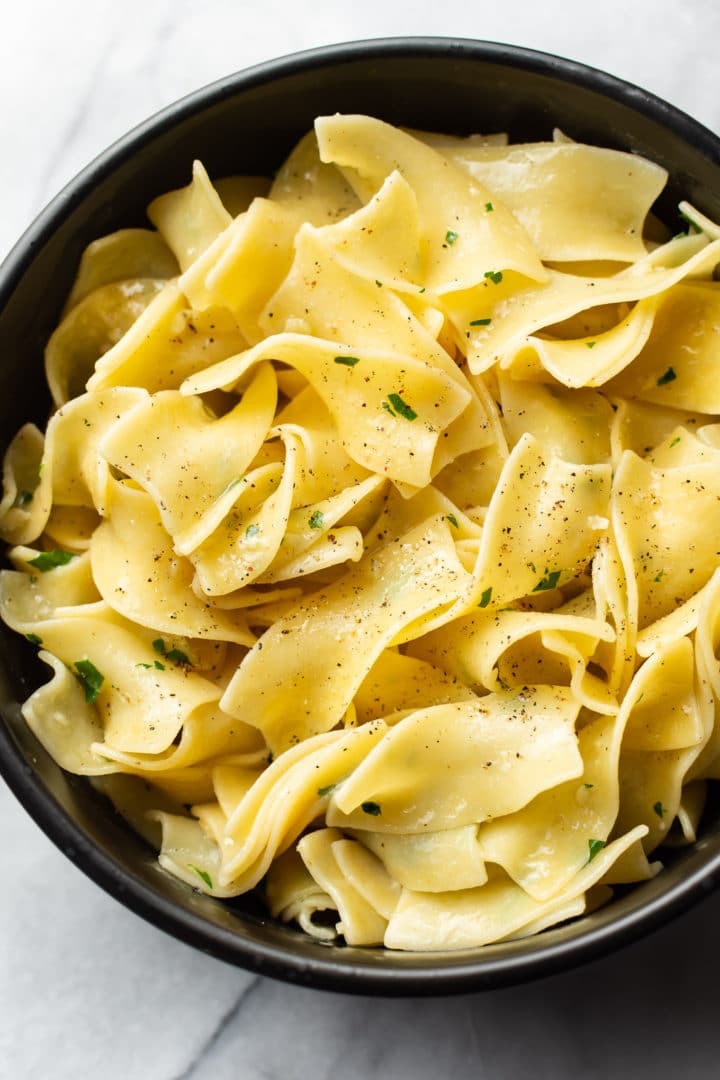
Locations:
column 489, row 207
column 23, row 498
column 659, row 577
column 668, row 377
column 481, row 322
column 176, row 656
column 486, row 597
column 548, row 582
column 140, row 664
column 316, row 519
column 659, row 809
column 423, row 289
column 378, row 283
column 90, row 678
column 453, row 520
column 401, row 407
column 493, row 275
column 450, row 236
column 591, row 344
column 34, row 639
column 348, row 361
column 675, row 441
column 371, row 808
column 201, row 874
column 588, row 785
column 49, row 560
column 252, row 530
column 323, row 791
column 594, row 848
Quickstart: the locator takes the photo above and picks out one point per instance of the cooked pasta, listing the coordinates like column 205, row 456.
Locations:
column 372, row 542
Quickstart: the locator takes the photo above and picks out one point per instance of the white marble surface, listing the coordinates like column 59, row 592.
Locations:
column 88, row 989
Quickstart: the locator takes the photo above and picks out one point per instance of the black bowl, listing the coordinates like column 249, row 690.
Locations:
column 247, row 123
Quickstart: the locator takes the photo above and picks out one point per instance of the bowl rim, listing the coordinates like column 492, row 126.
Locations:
column 423, row 978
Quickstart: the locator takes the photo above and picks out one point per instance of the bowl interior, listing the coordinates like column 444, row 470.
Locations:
column 247, row 124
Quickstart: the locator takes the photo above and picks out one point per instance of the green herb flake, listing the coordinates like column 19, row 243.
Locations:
column 178, row 657
column 23, row 498
column 159, row 666
column 481, row 322
column 34, row 639
column 401, row 407
column 594, row 848
column 316, row 519
column 486, row 597
column 347, row 361
column 159, row 645
column 453, row 520
column 450, row 236
column 140, row 664
column 675, row 441
column 90, row 678
column 49, row 560
column 588, row 785
column 658, row 577
column 591, row 344
column 493, row 275
column 323, row 791
column 252, row 530
column 489, row 207
column 668, row 377
column 378, row 283
column 201, row 874
column 387, row 408
column 371, row 808
column 423, row 289
column 548, row 582
column 659, row 809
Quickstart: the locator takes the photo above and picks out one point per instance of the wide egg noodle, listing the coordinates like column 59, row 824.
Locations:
column 516, row 313
column 27, row 495
column 92, row 331
column 543, row 523
column 430, row 861
column 141, row 576
column 360, row 923
column 420, row 777
column 168, row 343
column 472, row 917
column 293, row 895
column 286, row 798
column 666, row 522
column 122, row 256
column 190, row 218
column 321, row 652
column 575, row 201
column 244, row 266
column 377, row 438
column 448, row 200
column 190, row 461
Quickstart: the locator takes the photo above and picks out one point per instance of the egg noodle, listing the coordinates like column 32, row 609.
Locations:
column 373, row 541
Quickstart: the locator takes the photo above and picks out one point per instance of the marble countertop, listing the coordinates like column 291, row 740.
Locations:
column 86, row 988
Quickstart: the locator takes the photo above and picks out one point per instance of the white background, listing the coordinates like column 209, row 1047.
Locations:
column 86, row 988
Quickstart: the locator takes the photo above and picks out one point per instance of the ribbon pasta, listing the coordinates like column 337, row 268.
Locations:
column 372, row 543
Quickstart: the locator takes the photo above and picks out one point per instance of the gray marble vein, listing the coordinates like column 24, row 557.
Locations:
column 86, row 988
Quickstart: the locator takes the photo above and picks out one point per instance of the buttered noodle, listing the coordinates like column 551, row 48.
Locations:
column 372, row 543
